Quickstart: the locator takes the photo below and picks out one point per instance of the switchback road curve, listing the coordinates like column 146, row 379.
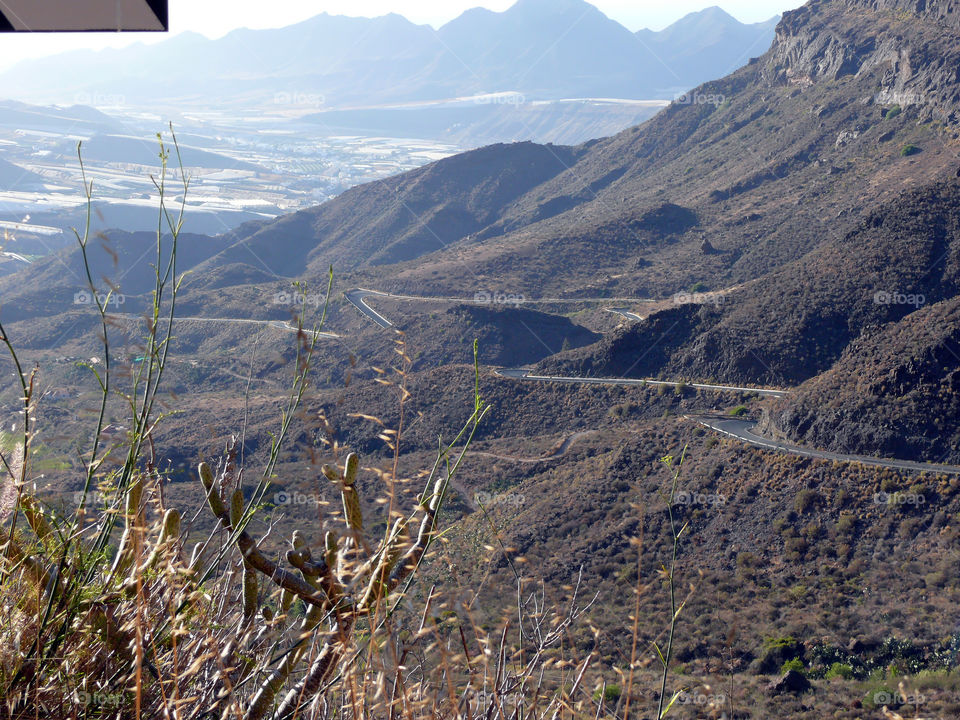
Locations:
column 732, row 427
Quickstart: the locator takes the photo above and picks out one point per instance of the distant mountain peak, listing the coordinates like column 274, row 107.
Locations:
column 715, row 11
column 551, row 7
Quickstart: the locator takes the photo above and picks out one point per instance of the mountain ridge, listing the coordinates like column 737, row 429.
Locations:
column 542, row 50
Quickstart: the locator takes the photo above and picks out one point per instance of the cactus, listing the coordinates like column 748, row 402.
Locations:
column 213, row 495
column 346, row 481
column 330, row 544
column 393, row 548
column 248, row 546
column 350, row 467
column 333, row 586
column 249, row 577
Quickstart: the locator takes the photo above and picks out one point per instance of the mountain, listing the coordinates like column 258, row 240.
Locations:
column 542, row 50
column 763, row 218
column 261, row 63
column 795, row 223
column 767, row 164
column 722, row 45
column 813, row 178
column 547, row 49
column 404, row 217
column 14, row 177
column 793, row 324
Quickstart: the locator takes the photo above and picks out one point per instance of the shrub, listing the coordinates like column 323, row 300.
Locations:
column 908, row 150
column 839, row 670
column 805, row 500
column 738, row 411
column 795, row 547
column 611, row 694
column 794, row 664
column 893, row 112
column 846, row 523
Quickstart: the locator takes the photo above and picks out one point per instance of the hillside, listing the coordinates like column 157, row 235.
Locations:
column 780, row 156
column 508, row 337
column 894, row 392
column 795, row 224
column 14, row 177
column 794, row 323
column 404, row 217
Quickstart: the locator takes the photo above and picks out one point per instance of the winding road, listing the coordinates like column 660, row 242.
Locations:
column 743, row 430
column 523, row 374
column 357, row 297
column 623, row 312
column 732, row 427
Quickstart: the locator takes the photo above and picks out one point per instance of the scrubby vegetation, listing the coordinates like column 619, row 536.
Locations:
column 106, row 613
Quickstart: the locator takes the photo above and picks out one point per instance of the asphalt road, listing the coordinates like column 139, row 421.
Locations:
column 743, row 430
column 732, row 427
column 521, row 374
column 357, row 298
column 623, row 312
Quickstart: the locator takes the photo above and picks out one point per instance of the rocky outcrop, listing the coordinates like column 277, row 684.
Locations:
column 792, row 682
column 910, row 48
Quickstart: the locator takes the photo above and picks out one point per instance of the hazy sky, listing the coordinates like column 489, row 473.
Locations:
column 215, row 18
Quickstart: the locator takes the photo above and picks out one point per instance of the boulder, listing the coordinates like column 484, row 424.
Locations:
column 792, row 682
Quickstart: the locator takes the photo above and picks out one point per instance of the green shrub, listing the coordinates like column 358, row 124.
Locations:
column 611, row 694
column 795, row 664
column 778, row 643
column 893, row 112
column 846, row 523
column 805, row 500
column 738, row 411
column 908, row 150
column 839, row 670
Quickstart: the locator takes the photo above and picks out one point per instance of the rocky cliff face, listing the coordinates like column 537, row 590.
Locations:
column 906, row 51
column 944, row 12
